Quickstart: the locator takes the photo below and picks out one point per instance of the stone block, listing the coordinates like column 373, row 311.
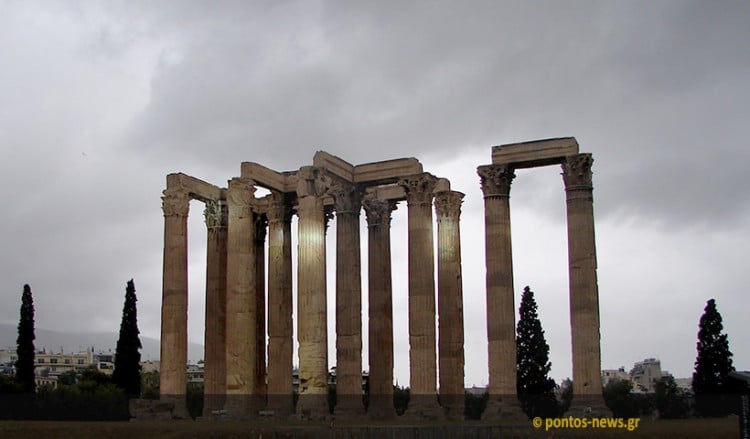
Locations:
column 387, row 171
column 535, row 153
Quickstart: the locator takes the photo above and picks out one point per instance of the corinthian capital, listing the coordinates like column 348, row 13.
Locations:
column 347, row 197
column 175, row 202
column 577, row 171
column 448, row 204
column 378, row 211
column 312, row 182
column 240, row 196
column 279, row 207
column 418, row 188
column 496, row 180
column 215, row 214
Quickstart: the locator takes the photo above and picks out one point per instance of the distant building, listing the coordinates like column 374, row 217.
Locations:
column 645, row 374
column 614, row 374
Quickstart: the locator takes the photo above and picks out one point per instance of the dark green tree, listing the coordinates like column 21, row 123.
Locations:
column 670, row 399
column 127, row 373
column 534, row 386
column 25, row 343
column 712, row 365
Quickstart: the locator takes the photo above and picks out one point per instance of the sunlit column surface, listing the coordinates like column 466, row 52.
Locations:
column 173, row 366
column 214, row 383
column 311, row 295
column 423, row 402
column 241, row 302
column 280, row 330
column 501, row 334
column 450, row 304
column 584, row 291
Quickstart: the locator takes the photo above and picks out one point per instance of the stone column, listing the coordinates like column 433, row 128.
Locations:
column 280, row 329
column 380, row 307
column 423, row 403
column 173, row 380
column 241, row 311
column 450, row 304
column 261, row 222
column 501, row 328
column 347, row 203
column 214, row 387
column 311, row 295
column 584, row 292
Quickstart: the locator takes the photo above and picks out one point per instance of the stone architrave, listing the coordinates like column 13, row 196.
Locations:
column 311, row 294
column 173, row 386
column 280, row 329
column 503, row 401
column 380, row 306
column 214, row 387
column 261, row 221
column 584, row 292
column 423, row 402
column 241, row 302
column 450, row 304
column 347, row 204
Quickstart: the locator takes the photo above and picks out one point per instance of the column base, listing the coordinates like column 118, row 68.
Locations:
column 212, row 403
column 242, row 407
column 279, row 406
column 589, row 406
column 349, row 407
column 313, row 407
column 453, row 406
column 503, row 409
column 425, row 408
column 381, row 408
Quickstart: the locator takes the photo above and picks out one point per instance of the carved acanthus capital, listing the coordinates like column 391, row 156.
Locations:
column 378, row 211
column 448, row 204
column 215, row 214
column 312, row 182
column 577, row 171
column 496, row 180
column 279, row 208
column 240, row 197
column 419, row 188
column 175, row 202
column 347, row 197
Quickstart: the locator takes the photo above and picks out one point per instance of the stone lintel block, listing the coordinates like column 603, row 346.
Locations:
column 195, row 187
column 334, row 165
column 389, row 192
column 535, row 153
column 263, row 176
column 442, row 185
column 387, row 171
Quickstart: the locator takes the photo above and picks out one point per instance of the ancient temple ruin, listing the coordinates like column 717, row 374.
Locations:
column 241, row 381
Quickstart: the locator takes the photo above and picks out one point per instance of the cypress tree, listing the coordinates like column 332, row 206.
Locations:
column 127, row 373
column 712, row 365
column 25, row 343
column 535, row 388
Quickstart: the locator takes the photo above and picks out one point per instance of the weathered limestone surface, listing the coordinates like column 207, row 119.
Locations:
column 347, row 203
column 503, row 402
column 534, row 153
column 311, row 291
column 450, row 304
column 280, row 330
column 584, row 290
column 241, row 301
column 214, row 373
column 423, row 374
column 380, row 306
column 175, row 204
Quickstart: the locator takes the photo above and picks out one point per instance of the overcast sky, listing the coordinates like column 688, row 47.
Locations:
column 101, row 100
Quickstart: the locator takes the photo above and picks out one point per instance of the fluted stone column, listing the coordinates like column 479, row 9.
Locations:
column 423, row 402
column 280, row 329
column 380, row 307
column 347, row 203
column 241, row 304
column 260, row 306
column 214, row 387
column 503, row 402
column 311, row 295
column 584, row 291
column 450, row 304
column 173, row 380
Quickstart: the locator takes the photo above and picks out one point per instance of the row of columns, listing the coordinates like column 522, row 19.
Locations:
column 584, row 296
column 235, row 374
